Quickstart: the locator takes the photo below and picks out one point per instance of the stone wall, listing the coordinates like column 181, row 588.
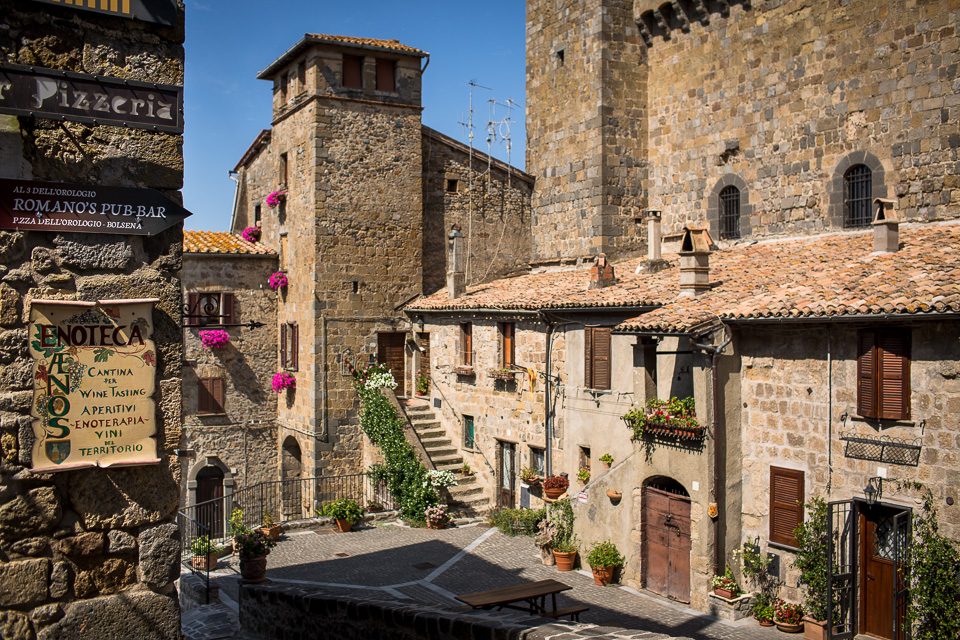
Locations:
column 497, row 235
column 799, row 390
column 244, row 437
column 871, row 82
column 89, row 549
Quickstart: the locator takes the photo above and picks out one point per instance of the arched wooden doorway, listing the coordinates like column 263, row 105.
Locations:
column 210, row 504
column 290, row 485
column 665, row 535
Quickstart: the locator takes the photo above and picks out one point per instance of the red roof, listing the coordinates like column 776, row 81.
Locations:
column 221, row 242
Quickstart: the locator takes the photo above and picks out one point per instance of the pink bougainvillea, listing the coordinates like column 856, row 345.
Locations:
column 214, row 338
column 275, row 198
column 277, row 280
column 251, row 234
column 283, row 380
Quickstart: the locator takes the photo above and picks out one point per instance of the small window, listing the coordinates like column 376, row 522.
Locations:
column 257, row 216
column 786, row 504
column 730, row 213
column 858, row 196
column 206, row 308
column 538, row 460
column 561, row 57
column 385, row 75
column 356, row 286
column 585, row 458
column 210, row 395
column 282, row 173
column 452, row 185
column 301, row 77
column 469, row 441
column 352, row 72
column 597, row 357
column 289, row 346
column 883, row 374
column 466, row 344
column 283, row 90
column 507, row 344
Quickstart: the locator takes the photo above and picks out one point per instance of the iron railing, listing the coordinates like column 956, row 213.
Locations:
column 191, row 530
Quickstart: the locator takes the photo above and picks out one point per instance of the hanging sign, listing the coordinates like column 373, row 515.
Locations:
column 159, row 11
column 65, row 95
column 56, row 206
column 95, row 374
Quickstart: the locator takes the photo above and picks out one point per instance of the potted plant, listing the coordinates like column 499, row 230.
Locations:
column 788, row 617
column 726, row 585
column 813, row 561
column 278, row 280
column 270, row 527
column 503, row 373
column 583, row 475
column 565, row 553
column 205, row 554
column 253, row 547
column 251, row 234
column 465, row 470
column 436, row 516
column 614, row 495
column 214, row 338
column 237, row 525
column 345, row 512
column 423, row 383
column 554, row 486
column 528, row 475
column 607, row 460
column 763, row 613
column 604, row 558
column 283, row 380
column 275, row 198
column 755, row 572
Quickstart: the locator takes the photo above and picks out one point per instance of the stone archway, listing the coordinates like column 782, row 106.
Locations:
column 665, row 538
column 291, row 470
column 209, row 478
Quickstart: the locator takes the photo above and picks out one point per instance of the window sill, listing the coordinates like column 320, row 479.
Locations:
column 781, row 546
column 211, row 415
column 886, row 422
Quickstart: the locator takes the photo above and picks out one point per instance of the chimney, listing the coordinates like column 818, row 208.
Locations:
column 886, row 227
column 456, row 272
column 694, row 262
column 653, row 235
column 601, row 273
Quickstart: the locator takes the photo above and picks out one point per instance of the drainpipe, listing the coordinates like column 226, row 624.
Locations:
column 547, row 420
column 719, row 451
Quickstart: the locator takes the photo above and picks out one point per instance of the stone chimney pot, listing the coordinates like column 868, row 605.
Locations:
column 456, row 271
column 694, row 261
column 601, row 273
column 886, row 227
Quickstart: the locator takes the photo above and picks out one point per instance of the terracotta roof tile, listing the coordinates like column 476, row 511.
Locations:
column 221, row 242
column 370, row 42
column 823, row 276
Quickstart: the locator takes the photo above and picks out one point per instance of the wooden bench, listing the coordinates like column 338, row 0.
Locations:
column 573, row 612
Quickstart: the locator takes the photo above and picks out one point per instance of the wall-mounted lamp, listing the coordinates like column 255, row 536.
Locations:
column 874, row 490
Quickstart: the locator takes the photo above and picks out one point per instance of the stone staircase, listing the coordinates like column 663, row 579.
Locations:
column 468, row 498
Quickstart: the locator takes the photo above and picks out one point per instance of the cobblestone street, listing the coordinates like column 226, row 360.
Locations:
column 427, row 566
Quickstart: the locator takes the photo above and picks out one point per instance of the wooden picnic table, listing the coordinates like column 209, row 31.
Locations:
column 533, row 593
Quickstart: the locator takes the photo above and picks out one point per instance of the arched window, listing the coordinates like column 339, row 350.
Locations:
column 857, row 196
column 730, row 213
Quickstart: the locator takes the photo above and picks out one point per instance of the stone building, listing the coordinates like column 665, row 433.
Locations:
column 229, row 406
column 368, row 194
column 89, row 549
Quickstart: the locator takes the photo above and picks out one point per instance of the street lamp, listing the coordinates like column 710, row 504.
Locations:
column 874, row 490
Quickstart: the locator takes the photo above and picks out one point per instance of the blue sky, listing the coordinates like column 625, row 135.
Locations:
column 228, row 43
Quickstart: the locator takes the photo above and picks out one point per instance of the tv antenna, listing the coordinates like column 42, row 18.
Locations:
column 468, row 127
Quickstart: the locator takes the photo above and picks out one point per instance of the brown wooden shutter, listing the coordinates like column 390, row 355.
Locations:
column 294, row 346
column 227, row 313
column 588, row 357
column 352, row 72
column 893, row 357
column 466, row 334
column 507, row 331
column 867, row 374
column 203, row 396
column 600, row 352
column 786, row 504
column 193, row 308
column 385, row 81
column 216, row 395
column 283, row 345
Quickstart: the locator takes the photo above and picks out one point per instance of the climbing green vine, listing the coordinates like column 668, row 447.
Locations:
column 935, row 578
column 406, row 476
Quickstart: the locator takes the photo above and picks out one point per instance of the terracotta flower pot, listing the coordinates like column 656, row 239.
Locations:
column 789, row 628
column 344, row 525
column 814, row 629
column 253, row 569
column 724, row 593
column 565, row 560
column 273, row 531
column 437, row 523
column 553, row 494
column 614, row 495
column 765, row 623
column 205, row 563
column 603, row 575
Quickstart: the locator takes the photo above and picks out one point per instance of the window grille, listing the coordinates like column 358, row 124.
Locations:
column 730, row 213
column 858, row 185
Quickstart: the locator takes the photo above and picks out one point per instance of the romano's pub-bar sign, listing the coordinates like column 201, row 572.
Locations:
column 95, row 375
column 80, row 97
column 159, row 11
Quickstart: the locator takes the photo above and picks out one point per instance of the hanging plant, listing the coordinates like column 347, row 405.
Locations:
column 277, row 280
column 214, row 338
column 665, row 418
column 251, row 234
column 283, row 380
column 274, row 199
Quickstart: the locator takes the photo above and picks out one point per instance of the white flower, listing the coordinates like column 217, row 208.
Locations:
column 441, row 478
column 381, row 380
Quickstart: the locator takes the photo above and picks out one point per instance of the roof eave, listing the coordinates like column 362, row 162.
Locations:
column 274, row 67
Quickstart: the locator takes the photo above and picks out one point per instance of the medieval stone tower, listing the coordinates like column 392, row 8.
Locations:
column 585, row 110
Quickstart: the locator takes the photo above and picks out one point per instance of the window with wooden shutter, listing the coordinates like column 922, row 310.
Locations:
column 289, row 345
column 385, row 75
column 193, row 308
column 786, row 504
column 352, row 72
column 283, row 345
column 228, row 312
column 507, row 341
column 883, row 374
column 466, row 344
column 597, row 357
column 210, row 395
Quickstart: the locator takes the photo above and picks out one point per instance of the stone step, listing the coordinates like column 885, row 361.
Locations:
column 462, row 491
column 416, row 406
column 431, row 433
column 435, row 439
column 448, row 462
column 436, row 453
column 419, row 413
column 426, row 424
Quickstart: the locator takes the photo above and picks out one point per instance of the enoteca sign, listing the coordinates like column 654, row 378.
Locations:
column 27, row 205
column 80, row 97
column 94, row 378
column 159, row 11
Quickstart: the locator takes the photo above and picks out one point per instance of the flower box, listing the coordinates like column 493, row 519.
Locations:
column 464, row 371
column 502, row 374
column 660, row 419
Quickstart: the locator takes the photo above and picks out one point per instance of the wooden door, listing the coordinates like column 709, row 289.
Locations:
column 210, row 504
column 290, row 486
column 507, row 479
column 880, row 543
column 425, row 355
column 665, row 532
column 390, row 353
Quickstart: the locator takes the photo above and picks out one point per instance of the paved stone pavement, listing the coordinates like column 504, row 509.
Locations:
column 423, row 565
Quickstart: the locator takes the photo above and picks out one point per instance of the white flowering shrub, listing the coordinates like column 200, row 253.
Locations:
column 381, row 380
column 441, row 478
